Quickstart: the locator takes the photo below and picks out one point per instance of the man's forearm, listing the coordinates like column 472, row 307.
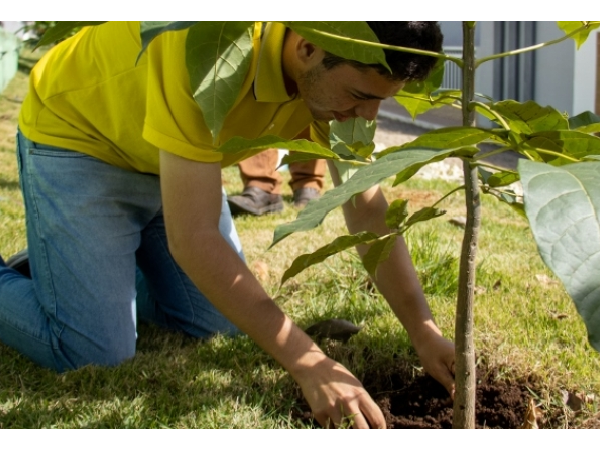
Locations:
column 396, row 277
column 233, row 289
column 191, row 194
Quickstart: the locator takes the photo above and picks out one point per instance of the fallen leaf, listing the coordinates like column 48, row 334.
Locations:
column 545, row 279
column 459, row 221
column 532, row 415
column 337, row 329
column 576, row 400
column 260, row 270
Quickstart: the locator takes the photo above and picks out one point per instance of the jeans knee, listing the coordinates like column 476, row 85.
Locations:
column 108, row 353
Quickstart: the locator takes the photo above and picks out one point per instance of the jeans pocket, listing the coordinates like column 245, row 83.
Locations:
column 56, row 152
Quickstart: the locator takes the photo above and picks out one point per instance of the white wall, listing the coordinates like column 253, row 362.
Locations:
column 565, row 78
column 554, row 69
column 484, row 74
column 584, row 88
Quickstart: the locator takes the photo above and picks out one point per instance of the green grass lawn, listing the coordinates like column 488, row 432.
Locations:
column 526, row 325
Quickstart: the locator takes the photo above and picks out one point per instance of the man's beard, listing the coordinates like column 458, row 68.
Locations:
column 306, row 87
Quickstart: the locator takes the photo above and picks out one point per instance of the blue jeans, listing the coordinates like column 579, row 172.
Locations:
column 99, row 261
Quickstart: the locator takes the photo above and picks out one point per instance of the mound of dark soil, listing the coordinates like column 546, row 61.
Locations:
column 418, row 401
column 423, row 403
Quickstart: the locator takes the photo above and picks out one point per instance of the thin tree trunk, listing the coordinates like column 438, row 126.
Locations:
column 464, row 399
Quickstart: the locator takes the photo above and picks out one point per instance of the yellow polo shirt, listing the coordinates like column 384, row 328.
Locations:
column 88, row 94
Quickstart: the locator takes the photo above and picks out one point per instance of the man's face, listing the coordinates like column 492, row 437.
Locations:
column 344, row 92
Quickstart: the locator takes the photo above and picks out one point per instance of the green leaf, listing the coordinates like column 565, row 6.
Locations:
column 484, row 175
column 423, row 215
column 62, row 30
column 571, row 143
column 511, row 200
column 529, row 117
column 364, row 178
column 458, row 138
column 218, row 56
column 586, row 122
column 418, row 97
column 563, row 208
column 239, row 145
column 407, row 173
column 352, row 140
column 364, row 151
column 581, row 37
column 377, row 253
column 396, row 214
column 503, row 178
column 418, row 104
column 150, row 30
column 352, row 131
column 509, row 197
column 295, row 157
column 327, row 36
column 444, row 138
column 339, row 244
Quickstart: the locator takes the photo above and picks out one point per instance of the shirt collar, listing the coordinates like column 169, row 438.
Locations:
column 269, row 85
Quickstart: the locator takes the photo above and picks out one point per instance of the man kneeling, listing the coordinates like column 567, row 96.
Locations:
column 126, row 216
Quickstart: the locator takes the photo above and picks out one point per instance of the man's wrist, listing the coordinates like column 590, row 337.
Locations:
column 424, row 334
column 307, row 364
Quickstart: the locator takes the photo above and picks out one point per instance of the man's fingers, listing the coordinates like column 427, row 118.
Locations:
column 370, row 417
column 359, row 421
column 329, row 420
column 373, row 415
column 446, row 379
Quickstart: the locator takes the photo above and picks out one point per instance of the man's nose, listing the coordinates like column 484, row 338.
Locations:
column 368, row 109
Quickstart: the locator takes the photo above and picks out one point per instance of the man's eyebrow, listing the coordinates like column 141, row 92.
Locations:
column 367, row 96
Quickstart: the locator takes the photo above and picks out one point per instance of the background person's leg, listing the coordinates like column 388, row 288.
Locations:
column 84, row 220
column 308, row 174
column 260, row 171
column 166, row 296
column 262, row 185
column 307, row 179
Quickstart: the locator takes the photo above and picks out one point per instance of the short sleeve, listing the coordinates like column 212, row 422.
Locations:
column 319, row 133
column 173, row 120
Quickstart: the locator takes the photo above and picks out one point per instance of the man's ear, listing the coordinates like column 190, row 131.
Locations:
column 309, row 55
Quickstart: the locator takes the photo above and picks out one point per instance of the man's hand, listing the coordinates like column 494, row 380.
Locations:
column 437, row 357
column 336, row 397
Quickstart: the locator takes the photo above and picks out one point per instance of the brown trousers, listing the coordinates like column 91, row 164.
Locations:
column 260, row 171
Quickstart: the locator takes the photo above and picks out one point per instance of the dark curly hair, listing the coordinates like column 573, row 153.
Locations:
column 405, row 66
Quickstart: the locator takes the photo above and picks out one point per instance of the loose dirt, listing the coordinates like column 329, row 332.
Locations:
column 410, row 399
column 424, row 403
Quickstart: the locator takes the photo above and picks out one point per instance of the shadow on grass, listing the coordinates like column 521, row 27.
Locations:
column 9, row 185
column 173, row 381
